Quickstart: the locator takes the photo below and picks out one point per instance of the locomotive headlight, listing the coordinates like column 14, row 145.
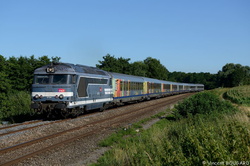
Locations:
column 36, row 96
column 61, row 96
column 50, row 70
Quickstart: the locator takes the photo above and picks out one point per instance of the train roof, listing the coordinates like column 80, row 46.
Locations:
column 169, row 82
column 179, row 83
column 68, row 68
column 127, row 77
column 143, row 79
column 191, row 84
column 152, row 80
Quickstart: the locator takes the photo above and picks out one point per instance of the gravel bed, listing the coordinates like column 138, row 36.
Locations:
column 82, row 151
column 3, row 131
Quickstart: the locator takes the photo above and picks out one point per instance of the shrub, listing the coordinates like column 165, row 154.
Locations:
column 202, row 103
column 15, row 104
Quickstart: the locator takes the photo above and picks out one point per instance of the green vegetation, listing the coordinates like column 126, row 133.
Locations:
column 201, row 137
column 16, row 75
column 202, row 103
column 130, row 130
column 17, row 103
column 233, row 75
column 239, row 95
column 219, row 91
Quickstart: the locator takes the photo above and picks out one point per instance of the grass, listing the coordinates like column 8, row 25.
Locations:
column 207, row 136
column 239, row 95
column 186, row 142
column 129, row 130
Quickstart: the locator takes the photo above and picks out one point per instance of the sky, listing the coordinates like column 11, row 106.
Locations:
column 184, row 35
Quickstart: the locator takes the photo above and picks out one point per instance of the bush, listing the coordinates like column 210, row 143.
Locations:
column 202, row 103
column 15, row 104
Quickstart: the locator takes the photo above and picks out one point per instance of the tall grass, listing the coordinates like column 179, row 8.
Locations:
column 192, row 140
column 187, row 142
column 239, row 95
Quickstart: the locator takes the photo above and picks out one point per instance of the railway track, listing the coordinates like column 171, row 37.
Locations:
column 11, row 129
column 21, row 124
column 25, row 128
column 33, row 147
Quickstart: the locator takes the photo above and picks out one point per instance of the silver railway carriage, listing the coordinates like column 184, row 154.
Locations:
column 68, row 89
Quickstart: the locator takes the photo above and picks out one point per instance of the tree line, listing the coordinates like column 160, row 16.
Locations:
column 16, row 76
column 231, row 74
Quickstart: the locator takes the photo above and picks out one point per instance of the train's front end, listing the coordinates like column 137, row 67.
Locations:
column 53, row 88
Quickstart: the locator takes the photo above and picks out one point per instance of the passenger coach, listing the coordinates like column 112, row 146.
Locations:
column 127, row 88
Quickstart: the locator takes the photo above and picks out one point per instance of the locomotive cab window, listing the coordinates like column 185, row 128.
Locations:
column 60, row 79
column 41, row 79
column 55, row 79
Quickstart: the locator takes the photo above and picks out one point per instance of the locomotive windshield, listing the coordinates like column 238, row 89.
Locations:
column 41, row 79
column 53, row 79
column 59, row 79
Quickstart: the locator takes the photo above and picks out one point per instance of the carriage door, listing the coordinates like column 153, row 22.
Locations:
column 148, row 87
column 118, row 88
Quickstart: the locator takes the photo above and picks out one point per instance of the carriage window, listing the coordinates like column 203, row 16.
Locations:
column 97, row 81
column 174, row 87
column 41, row 79
column 60, row 79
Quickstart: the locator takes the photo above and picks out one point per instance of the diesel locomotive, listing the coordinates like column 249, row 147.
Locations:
column 69, row 90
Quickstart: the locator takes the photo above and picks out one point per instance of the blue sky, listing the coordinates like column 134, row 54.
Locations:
column 185, row 35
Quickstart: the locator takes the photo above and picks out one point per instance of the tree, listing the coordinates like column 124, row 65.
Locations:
column 209, row 80
column 139, row 68
column 176, row 76
column 55, row 59
column 4, row 85
column 155, row 69
column 234, row 75
column 4, row 79
column 112, row 64
column 150, row 67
